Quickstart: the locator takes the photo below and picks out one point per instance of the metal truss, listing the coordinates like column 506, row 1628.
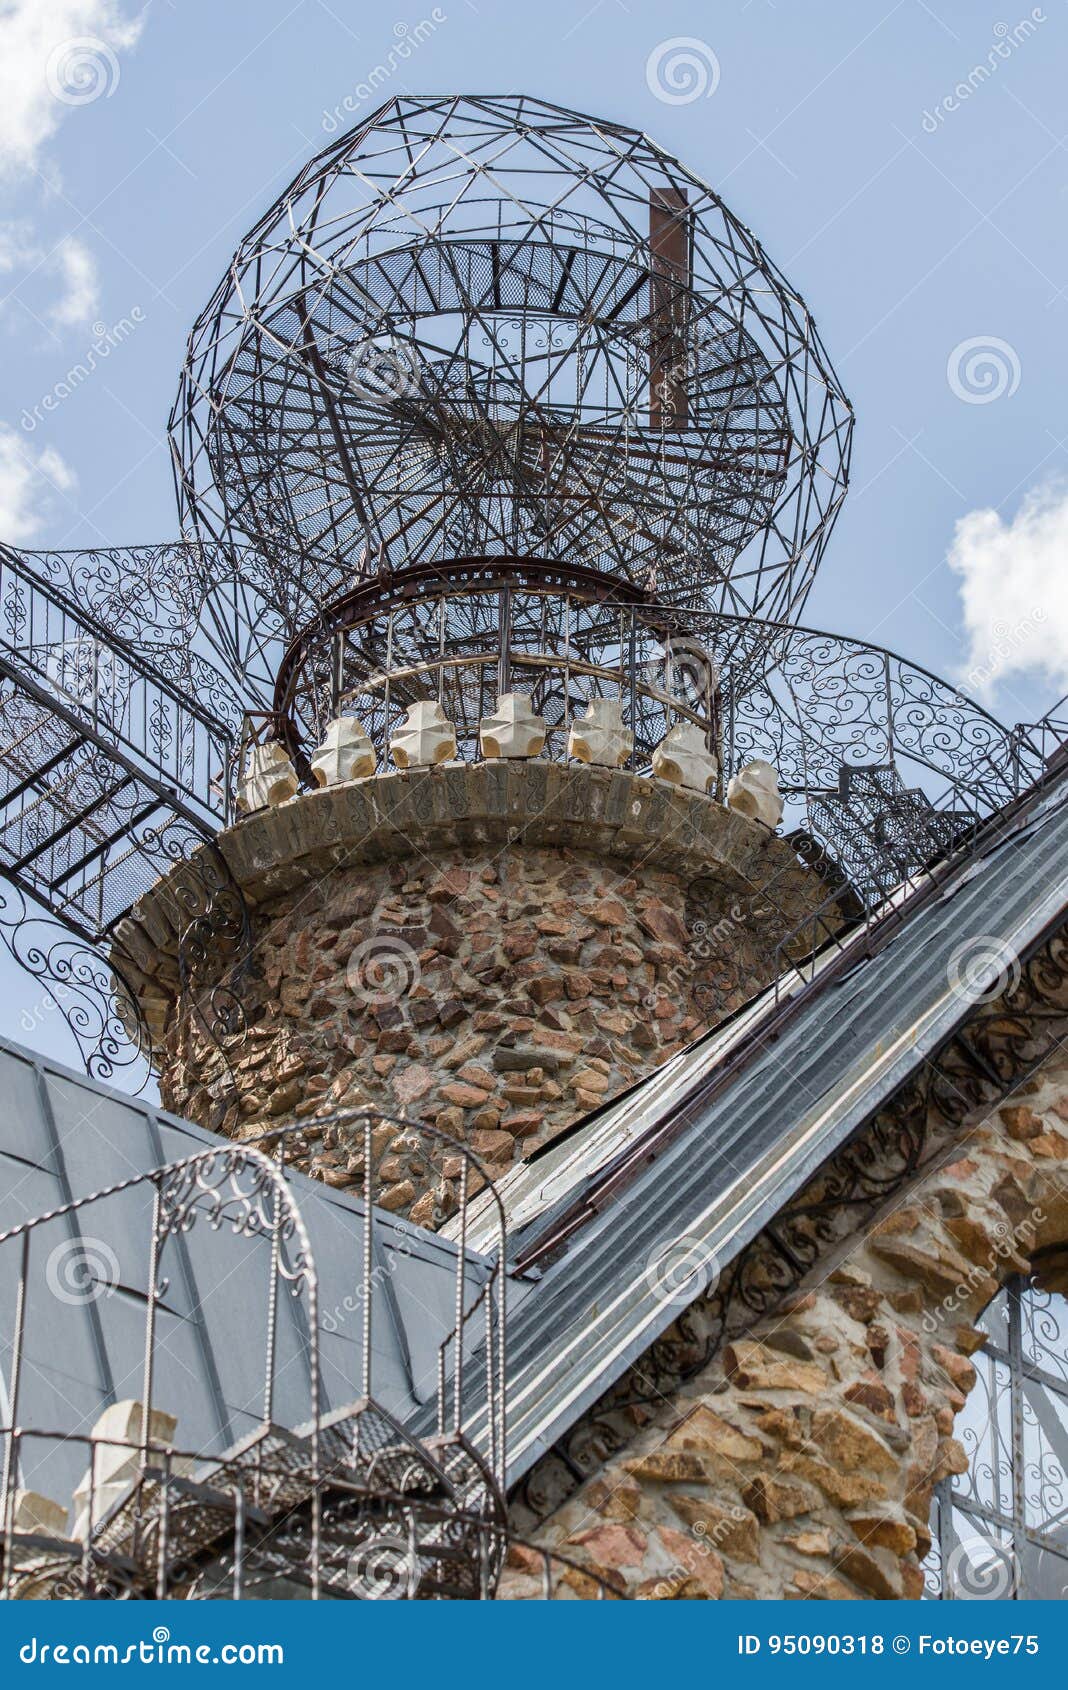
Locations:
column 495, row 396
column 122, row 738
column 97, row 743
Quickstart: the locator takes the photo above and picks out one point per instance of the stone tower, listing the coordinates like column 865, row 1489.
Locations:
column 515, row 456
column 497, row 948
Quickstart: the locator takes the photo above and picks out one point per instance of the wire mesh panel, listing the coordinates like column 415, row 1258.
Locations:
column 496, row 398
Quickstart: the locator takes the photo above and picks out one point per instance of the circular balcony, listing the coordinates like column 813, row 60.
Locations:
column 465, row 636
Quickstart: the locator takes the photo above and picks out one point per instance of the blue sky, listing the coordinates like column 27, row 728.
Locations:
column 905, row 165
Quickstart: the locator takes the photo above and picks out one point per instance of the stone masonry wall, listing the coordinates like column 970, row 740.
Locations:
column 802, row 1462
column 498, row 995
column 493, row 951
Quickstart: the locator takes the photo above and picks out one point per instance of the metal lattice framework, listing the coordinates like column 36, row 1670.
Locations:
column 495, row 396
column 490, row 326
column 121, row 713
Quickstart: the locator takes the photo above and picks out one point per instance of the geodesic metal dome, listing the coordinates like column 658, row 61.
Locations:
column 489, row 327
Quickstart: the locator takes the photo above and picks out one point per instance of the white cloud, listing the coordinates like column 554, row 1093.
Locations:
column 78, row 302
column 29, row 481
column 1014, row 591
column 70, row 265
column 54, row 55
column 16, row 247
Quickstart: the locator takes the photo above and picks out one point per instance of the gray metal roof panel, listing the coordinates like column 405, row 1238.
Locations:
column 64, row 1137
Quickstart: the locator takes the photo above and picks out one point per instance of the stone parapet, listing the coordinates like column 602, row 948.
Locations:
column 497, row 948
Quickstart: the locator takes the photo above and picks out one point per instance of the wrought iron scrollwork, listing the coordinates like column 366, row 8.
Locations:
column 210, row 925
column 240, row 1190
column 88, row 992
column 998, row 1529
column 308, row 1499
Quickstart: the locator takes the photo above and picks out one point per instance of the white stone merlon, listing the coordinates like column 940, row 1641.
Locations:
column 425, row 738
column 683, row 758
column 269, row 777
column 39, row 1515
column 345, row 754
column 754, row 792
column 513, row 730
column 36, row 1516
column 116, row 1464
column 599, row 737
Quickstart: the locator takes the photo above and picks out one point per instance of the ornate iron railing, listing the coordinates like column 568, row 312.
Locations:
column 293, row 1496
column 122, row 748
